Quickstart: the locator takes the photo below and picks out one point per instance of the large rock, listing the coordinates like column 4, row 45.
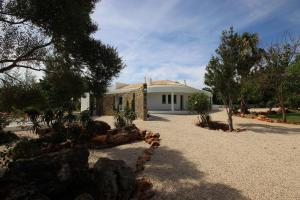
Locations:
column 66, row 175
column 97, row 127
column 113, row 180
column 50, row 174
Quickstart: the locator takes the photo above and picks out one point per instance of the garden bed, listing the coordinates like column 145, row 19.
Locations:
column 272, row 117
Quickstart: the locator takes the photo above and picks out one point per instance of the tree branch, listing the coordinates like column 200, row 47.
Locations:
column 23, row 57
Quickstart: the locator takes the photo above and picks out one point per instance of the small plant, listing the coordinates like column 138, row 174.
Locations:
column 129, row 115
column 7, row 137
column 199, row 103
column 69, row 118
column 48, row 117
column 85, row 117
column 4, row 120
column 120, row 121
column 33, row 115
column 124, row 118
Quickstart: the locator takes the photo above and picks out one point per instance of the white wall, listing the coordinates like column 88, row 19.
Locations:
column 85, row 102
column 154, row 101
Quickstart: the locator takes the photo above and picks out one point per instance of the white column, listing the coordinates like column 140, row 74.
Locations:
column 172, row 101
column 85, row 102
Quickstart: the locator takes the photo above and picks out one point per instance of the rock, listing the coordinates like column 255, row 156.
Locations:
column 143, row 133
column 124, row 138
column 155, row 135
column 143, row 189
column 100, row 139
column 43, row 131
column 51, row 174
column 97, row 127
column 85, row 196
column 113, row 131
column 113, row 180
column 155, row 144
column 149, row 151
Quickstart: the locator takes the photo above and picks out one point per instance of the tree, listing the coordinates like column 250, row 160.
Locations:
column 279, row 57
column 62, row 87
column 199, row 103
column 33, row 29
column 250, row 56
column 222, row 74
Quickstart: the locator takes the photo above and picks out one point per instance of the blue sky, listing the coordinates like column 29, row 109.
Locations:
column 174, row 39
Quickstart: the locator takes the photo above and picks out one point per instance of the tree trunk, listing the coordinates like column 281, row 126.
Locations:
column 244, row 107
column 99, row 105
column 281, row 101
column 229, row 113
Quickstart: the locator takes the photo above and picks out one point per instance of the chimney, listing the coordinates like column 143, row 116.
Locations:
column 184, row 82
column 148, row 81
column 145, row 79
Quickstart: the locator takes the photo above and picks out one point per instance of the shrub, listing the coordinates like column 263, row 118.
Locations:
column 129, row 115
column 119, row 118
column 4, row 121
column 85, row 117
column 48, row 117
column 27, row 148
column 199, row 103
column 124, row 118
column 7, row 137
column 33, row 115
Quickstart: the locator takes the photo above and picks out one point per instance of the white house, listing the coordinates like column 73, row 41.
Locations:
column 163, row 96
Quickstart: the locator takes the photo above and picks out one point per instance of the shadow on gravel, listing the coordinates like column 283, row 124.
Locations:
column 179, row 177
column 264, row 128
column 157, row 118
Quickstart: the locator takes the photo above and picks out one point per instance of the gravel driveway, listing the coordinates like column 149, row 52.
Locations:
column 194, row 163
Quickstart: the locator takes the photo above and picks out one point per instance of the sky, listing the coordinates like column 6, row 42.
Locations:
column 174, row 39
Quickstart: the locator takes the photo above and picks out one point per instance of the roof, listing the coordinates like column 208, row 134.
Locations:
column 156, row 86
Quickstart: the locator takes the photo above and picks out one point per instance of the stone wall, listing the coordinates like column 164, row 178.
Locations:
column 136, row 98
column 108, row 104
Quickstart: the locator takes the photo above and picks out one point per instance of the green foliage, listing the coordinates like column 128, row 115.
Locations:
column 27, row 148
column 129, row 115
column 7, row 137
column 33, row 115
column 4, row 120
column 199, row 103
column 18, row 95
column 85, row 117
column 119, row 118
column 293, row 102
column 48, row 117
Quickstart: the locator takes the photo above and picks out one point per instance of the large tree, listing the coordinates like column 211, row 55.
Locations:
column 279, row 58
column 228, row 71
column 250, row 56
column 31, row 29
column 221, row 70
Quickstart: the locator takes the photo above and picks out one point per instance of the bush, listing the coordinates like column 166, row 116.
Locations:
column 7, row 137
column 293, row 102
column 33, row 115
column 85, row 117
column 199, row 103
column 3, row 120
column 97, row 127
column 129, row 115
column 48, row 117
column 119, row 118
column 124, row 118
column 27, row 148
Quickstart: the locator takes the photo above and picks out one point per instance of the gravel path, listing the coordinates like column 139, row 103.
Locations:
column 194, row 163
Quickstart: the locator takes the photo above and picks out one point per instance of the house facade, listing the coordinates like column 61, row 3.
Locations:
column 161, row 96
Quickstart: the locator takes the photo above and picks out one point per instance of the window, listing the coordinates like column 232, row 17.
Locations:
column 120, row 100
column 163, row 99
column 175, row 99
column 169, row 99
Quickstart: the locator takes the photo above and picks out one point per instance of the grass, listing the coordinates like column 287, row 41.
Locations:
column 290, row 117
